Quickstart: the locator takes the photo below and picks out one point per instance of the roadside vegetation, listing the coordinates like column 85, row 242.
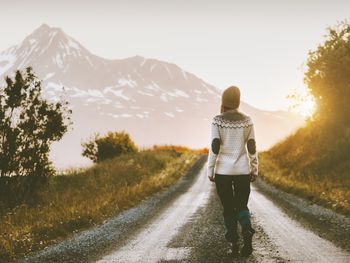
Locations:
column 39, row 206
column 315, row 161
column 83, row 198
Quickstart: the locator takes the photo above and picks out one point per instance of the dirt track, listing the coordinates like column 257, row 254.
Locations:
column 184, row 224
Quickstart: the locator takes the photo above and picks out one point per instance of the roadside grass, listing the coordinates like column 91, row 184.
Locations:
column 82, row 198
column 312, row 163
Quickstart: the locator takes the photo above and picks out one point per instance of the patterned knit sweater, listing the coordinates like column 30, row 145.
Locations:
column 233, row 148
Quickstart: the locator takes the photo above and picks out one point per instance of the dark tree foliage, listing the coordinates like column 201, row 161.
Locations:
column 28, row 125
column 328, row 75
column 100, row 148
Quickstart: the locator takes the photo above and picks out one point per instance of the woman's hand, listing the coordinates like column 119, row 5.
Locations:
column 211, row 178
column 253, row 177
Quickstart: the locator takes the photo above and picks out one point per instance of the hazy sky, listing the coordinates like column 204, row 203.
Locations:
column 260, row 46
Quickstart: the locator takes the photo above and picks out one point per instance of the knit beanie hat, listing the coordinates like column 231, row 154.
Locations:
column 231, row 98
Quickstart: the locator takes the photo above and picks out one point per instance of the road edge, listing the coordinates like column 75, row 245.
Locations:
column 323, row 221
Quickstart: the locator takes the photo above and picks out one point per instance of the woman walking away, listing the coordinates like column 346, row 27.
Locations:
column 232, row 165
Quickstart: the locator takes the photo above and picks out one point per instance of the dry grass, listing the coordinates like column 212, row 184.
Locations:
column 313, row 163
column 179, row 148
column 82, row 199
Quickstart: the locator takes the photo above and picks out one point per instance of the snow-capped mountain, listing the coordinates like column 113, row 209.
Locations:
column 156, row 102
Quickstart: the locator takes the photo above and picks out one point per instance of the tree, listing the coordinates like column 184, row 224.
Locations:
column 28, row 126
column 328, row 75
column 100, row 148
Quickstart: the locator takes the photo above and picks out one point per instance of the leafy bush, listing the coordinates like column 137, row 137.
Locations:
column 100, row 148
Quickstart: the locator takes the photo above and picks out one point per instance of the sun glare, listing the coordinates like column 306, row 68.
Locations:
column 302, row 102
column 307, row 107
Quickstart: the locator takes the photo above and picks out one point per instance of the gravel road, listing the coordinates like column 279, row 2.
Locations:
column 184, row 224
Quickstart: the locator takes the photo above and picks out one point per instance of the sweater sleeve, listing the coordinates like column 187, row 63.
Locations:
column 214, row 147
column 252, row 153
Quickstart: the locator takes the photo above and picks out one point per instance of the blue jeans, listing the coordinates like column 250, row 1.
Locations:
column 233, row 191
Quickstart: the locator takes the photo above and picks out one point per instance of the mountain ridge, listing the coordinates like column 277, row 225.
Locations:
column 136, row 94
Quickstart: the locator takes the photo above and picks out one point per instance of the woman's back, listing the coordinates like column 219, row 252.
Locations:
column 231, row 132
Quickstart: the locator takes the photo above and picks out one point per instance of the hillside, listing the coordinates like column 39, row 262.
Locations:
column 315, row 161
column 155, row 101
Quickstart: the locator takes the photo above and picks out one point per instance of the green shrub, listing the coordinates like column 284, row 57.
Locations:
column 113, row 144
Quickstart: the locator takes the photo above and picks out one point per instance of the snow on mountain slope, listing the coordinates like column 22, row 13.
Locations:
column 155, row 101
